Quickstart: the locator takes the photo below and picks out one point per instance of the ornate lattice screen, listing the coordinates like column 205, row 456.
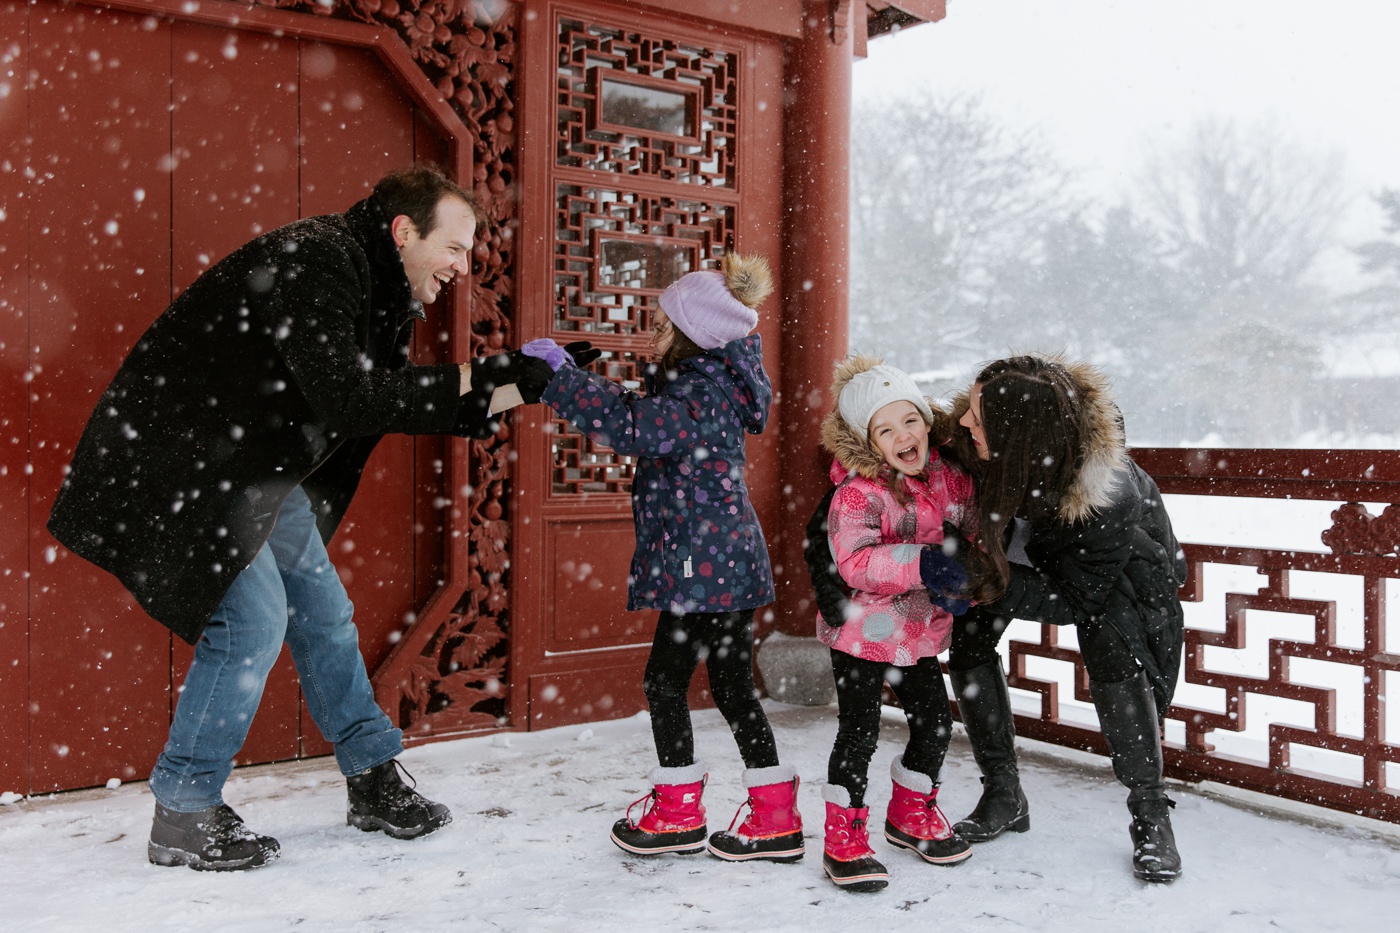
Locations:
column 644, row 193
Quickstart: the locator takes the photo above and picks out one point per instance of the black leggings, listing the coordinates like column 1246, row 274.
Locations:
column 1107, row 657
column 859, row 685
column 725, row 643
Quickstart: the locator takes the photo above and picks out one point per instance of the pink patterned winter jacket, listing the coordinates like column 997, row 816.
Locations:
column 876, row 544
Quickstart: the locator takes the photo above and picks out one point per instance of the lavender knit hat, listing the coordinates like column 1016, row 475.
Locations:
column 715, row 308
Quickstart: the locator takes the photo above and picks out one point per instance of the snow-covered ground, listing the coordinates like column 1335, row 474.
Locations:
column 529, row 851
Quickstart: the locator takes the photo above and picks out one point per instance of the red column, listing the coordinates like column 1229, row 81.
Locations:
column 815, row 281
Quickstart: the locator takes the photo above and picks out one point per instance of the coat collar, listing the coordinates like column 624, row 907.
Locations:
column 370, row 227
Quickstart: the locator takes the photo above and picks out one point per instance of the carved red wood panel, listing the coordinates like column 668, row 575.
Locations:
column 649, row 178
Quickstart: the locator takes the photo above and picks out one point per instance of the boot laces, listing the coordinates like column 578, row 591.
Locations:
column 737, row 813
column 226, row 825
column 652, row 795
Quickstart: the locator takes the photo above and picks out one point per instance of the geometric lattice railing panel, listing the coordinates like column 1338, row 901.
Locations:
column 1288, row 659
column 645, row 107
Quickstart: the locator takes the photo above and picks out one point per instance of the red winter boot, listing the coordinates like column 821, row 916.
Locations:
column 674, row 821
column 915, row 822
column 773, row 829
column 847, row 857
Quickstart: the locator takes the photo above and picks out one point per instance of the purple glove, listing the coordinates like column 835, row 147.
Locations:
column 547, row 350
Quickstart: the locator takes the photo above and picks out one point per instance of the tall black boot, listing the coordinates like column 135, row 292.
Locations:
column 1128, row 717
column 985, row 704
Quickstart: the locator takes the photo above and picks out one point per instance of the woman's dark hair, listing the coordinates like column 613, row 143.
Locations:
column 415, row 193
column 1031, row 416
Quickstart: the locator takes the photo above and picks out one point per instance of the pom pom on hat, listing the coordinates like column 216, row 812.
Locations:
column 715, row 308
column 869, row 391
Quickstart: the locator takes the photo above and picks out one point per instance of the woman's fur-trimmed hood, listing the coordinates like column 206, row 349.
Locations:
column 849, row 447
column 1105, row 449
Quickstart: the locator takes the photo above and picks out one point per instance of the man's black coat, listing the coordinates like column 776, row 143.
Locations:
column 282, row 365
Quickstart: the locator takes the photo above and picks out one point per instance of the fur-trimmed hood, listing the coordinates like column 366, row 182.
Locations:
column 852, row 450
column 1105, row 450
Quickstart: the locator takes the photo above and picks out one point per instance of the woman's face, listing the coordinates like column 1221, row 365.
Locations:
column 972, row 420
column 900, row 435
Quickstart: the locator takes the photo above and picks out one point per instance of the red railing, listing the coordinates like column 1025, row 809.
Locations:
column 1361, row 545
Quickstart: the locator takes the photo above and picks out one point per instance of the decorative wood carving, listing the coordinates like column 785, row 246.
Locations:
column 1356, row 531
column 633, row 108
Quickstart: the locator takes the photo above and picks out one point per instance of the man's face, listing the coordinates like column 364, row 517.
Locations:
column 432, row 261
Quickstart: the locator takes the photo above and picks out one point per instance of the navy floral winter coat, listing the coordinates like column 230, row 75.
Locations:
column 699, row 544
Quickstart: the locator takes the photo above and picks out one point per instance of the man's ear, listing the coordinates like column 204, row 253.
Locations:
column 400, row 227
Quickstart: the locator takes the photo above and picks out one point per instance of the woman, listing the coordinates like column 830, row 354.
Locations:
column 1072, row 533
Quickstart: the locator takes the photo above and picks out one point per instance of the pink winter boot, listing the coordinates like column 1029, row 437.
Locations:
column 673, row 818
column 773, row 828
column 915, row 822
column 846, row 855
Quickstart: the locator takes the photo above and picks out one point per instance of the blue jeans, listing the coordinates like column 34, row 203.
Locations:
column 289, row 593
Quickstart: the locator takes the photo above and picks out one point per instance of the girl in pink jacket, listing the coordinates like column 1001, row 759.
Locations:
column 885, row 530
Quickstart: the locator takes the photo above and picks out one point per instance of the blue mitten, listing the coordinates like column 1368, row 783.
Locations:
column 547, row 350
column 941, row 573
column 950, row 604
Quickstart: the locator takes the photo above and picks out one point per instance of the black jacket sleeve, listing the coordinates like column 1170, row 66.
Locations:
column 831, row 591
column 1077, row 569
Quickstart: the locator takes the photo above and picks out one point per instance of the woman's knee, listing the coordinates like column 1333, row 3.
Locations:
column 974, row 642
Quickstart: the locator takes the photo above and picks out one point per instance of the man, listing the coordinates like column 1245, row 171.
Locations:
column 224, row 454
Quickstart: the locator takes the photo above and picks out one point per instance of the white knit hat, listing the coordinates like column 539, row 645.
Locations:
column 869, row 391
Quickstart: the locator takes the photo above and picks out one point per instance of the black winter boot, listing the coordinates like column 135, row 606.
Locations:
column 985, row 703
column 1128, row 717
column 214, row 839
column 380, row 800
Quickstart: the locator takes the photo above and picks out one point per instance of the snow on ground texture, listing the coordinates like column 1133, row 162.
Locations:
column 529, row 851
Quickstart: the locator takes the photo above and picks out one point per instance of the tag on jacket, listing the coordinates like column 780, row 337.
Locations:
column 688, row 571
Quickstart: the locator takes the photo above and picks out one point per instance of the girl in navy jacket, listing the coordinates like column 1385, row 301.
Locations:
column 701, row 560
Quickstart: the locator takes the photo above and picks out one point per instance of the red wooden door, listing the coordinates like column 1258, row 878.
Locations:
column 156, row 147
column 666, row 150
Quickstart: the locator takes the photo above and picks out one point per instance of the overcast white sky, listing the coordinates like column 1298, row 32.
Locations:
column 1096, row 74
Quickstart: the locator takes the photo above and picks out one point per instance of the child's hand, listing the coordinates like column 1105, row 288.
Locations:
column 547, row 350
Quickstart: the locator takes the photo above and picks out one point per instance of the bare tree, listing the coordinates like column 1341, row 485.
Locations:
column 1380, row 261
column 943, row 198
column 1242, row 210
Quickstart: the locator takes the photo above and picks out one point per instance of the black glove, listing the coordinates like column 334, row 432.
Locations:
column 529, row 374
column 583, row 352
column 831, row 591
